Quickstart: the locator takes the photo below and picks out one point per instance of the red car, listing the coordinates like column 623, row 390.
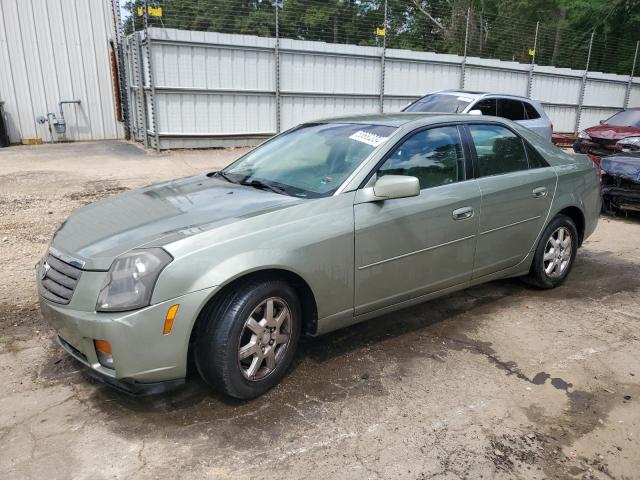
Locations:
column 619, row 133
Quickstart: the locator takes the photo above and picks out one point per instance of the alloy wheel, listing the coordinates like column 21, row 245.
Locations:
column 557, row 252
column 264, row 339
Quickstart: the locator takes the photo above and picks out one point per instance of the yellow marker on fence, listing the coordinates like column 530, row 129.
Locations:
column 380, row 32
column 532, row 52
column 152, row 11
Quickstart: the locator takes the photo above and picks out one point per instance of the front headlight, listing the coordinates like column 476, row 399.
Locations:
column 584, row 135
column 130, row 280
column 629, row 144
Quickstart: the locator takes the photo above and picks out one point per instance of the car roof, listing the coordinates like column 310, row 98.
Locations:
column 476, row 95
column 400, row 119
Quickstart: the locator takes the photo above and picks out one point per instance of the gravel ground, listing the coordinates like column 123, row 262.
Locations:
column 499, row 381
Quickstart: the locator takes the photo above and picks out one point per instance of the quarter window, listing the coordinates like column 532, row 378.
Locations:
column 532, row 113
column 499, row 150
column 511, row 109
column 434, row 156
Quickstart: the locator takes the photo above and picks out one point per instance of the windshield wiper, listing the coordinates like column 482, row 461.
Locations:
column 264, row 186
column 225, row 176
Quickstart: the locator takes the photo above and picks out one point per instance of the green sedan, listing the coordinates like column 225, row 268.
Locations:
column 326, row 225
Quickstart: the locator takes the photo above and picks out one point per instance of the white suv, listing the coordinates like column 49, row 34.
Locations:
column 525, row 111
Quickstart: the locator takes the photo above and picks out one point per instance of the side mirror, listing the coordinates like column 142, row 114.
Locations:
column 388, row 187
column 475, row 112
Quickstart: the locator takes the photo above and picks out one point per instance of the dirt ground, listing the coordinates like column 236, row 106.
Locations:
column 499, row 381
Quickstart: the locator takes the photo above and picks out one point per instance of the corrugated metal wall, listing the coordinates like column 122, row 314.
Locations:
column 53, row 50
column 213, row 89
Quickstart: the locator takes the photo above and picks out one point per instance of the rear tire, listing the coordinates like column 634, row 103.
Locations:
column 555, row 254
column 248, row 337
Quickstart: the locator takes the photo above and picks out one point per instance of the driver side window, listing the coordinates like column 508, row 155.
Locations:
column 434, row 156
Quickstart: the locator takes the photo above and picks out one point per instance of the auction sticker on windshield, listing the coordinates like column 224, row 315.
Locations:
column 368, row 138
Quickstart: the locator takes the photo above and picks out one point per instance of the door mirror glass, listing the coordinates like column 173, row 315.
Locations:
column 475, row 112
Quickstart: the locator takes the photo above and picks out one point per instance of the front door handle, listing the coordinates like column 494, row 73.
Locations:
column 539, row 192
column 463, row 213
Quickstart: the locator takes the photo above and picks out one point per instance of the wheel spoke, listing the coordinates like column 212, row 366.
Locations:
column 549, row 255
column 282, row 316
column 254, row 326
column 270, row 357
column 549, row 268
column 268, row 313
column 256, row 363
column 561, row 235
column 248, row 350
column 280, row 338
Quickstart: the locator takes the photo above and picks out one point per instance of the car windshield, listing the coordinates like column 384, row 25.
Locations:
column 440, row 103
column 628, row 118
column 310, row 161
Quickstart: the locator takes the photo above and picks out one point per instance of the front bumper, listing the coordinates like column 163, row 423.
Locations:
column 595, row 150
column 144, row 359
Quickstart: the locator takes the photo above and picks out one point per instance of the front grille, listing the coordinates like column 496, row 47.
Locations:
column 58, row 279
column 73, row 350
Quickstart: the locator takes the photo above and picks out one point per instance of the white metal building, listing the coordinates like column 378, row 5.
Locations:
column 53, row 51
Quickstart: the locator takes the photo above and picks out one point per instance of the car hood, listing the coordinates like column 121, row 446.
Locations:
column 624, row 165
column 152, row 216
column 612, row 132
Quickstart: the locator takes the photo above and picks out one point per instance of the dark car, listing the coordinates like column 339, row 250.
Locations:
column 621, row 182
column 619, row 133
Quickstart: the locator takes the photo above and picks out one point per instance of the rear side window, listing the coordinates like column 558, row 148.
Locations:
column 535, row 159
column 511, row 109
column 434, row 156
column 487, row 106
column 531, row 111
column 499, row 150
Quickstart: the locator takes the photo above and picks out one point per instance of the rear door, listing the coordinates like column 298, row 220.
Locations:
column 517, row 187
column 408, row 247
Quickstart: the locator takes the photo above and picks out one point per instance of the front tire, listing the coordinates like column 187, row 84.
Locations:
column 248, row 337
column 555, row 254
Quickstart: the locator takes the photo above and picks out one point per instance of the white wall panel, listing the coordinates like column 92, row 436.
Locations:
column 591, row 116
column 563, row 118
column 404, row 77
column 52, row 50
column 298, row 109
column 604, row 93
column 634, row 98
column 490, row 80
column 547, row 88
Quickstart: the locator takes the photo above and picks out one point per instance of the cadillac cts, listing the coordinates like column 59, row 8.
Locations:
column 323, row 226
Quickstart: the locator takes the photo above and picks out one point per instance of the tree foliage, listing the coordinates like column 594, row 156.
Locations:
column 502, row 29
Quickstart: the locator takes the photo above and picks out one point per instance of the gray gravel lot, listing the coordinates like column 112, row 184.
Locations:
column 499, row 381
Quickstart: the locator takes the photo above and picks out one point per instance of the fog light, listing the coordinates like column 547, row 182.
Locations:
column 103, row 350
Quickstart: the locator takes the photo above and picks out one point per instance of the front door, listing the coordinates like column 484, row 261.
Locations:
column 517, row 188
column 408, row 247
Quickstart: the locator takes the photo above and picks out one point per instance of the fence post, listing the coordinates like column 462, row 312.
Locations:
column 276, row 60
column 152, row 86
column 141, row 103
column 466, row 43
column 584, row 85
column 120, row 66
column 533, row 60
column 627, row 94
column 382, row 58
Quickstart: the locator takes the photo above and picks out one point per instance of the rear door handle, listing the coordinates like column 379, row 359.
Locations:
column 539, row 192
column 463, row 213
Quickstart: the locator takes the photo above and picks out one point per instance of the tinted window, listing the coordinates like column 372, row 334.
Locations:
column 440, row 103
column 535, row 159
column 511, row 109
column 486, row 106
column 499, row 150
column 434, row 156
column 532, row 113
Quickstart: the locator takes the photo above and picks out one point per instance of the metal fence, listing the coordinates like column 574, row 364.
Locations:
column 196, row 88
